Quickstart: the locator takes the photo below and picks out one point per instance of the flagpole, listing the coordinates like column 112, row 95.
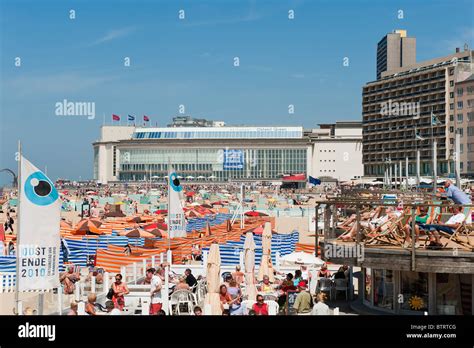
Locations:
column 17, row 281
column 434, row 149
column 169, row 218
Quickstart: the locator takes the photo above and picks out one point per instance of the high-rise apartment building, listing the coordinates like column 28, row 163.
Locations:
column 397, row 112
column 395, row 50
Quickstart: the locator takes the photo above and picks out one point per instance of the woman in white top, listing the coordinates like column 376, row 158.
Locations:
column 320, row 308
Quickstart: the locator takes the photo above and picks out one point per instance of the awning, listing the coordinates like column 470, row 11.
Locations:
column 294, row 177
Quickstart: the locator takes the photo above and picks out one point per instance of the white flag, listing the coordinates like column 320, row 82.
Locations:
column 39, row 239
column 176, row 220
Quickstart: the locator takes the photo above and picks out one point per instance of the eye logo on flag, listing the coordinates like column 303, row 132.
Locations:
column 40, row 190
column 174, row 182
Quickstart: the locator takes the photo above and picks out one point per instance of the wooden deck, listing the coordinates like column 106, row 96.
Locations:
column 447, row 260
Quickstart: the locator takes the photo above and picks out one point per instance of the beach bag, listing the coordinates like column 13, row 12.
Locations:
column 110, row 294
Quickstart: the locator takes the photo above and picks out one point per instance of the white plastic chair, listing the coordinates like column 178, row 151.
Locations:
column 182, row 298
column 341, row 285
column 247, row 305
column 273, row 307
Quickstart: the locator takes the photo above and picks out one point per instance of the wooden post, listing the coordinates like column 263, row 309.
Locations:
column 316, row 234
column 358, row 224
column 334, row 221
column 413, row 224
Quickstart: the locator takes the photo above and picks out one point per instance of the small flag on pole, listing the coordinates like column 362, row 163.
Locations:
column 115, row 117
column 314, row 181
column 146, row 118
column 418, row 136
column 131, row 118
column 434, row 119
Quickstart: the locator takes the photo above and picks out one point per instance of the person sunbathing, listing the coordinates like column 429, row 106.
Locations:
column 365, row 216
column 374, row 225
column 449, row 227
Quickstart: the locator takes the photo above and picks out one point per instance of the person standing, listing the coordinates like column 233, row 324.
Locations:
column 9, row 223
column 120, row 290
column 155, row 291
column 455, row 194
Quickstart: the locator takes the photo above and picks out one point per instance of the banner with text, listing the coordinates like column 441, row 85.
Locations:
column 38, row 251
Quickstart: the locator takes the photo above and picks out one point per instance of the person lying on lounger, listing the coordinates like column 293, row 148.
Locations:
column 374, row 225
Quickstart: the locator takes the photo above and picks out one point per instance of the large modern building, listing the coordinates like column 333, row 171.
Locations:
column 398, row 110
column 223, row 154
column 395, row 50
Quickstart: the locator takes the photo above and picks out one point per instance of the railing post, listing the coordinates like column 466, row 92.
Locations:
column 106, row 286
column 162, row 258
column 123, row 271
column 169, row 257
column 204, row 258
column 144, row 267
column 241, row 259
column 60, row 300
column 77, row 292
column 81, row 308
column 135, row 272
column 2, row 279
column 93, row 283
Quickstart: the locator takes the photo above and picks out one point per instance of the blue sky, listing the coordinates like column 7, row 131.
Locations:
column 190, row 62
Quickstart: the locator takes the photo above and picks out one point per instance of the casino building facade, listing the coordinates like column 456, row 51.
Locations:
column 223, row 154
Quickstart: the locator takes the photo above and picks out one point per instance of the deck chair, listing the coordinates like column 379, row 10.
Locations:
column 462, row 234
column 390, row 232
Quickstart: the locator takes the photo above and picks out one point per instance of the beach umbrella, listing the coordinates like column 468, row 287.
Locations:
column 249, row 264
column 136, row 233
column 156, row 232
column 190, row 177
column 212, row 177
column 208, row 229
column 160, row 226
column 88, row 226
column 206, row 206
column 266, row 267
column 255, row 213
column 161, row 211
column 136, row 219
column 301, row 258
column 201, row 177
column 155, row 177
column 65, row 224
column 213, row 270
